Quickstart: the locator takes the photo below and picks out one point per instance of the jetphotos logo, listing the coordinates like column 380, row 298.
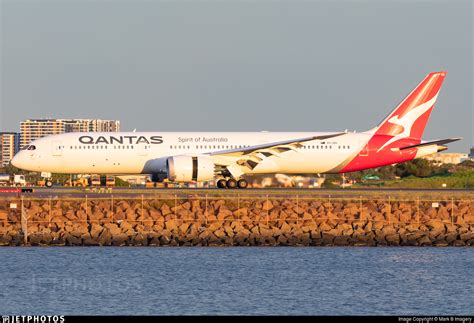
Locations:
column 130, row 140
column 33, row 319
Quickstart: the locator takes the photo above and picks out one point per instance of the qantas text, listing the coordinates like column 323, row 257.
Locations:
column 121, row 140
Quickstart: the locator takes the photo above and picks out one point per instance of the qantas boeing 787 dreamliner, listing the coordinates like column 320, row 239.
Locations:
column 226, row 156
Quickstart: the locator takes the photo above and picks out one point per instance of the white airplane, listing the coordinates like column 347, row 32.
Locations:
column 227, row 156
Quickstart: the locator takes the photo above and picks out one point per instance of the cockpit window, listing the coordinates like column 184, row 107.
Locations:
column 32, row 147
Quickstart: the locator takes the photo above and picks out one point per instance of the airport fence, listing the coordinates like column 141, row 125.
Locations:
column 207, row 208
column 86, row 216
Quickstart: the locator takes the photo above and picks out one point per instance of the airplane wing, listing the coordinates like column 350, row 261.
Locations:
column 251, row 156
column 434, row 142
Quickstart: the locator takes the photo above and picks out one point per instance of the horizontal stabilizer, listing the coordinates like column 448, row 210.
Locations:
column 434, row 142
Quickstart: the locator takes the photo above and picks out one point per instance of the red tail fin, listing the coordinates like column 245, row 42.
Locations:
column 410, row 117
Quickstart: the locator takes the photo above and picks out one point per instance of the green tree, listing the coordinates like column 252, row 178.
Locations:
column 420, row 168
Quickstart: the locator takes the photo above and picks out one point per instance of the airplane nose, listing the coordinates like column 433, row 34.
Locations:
column 16, row 161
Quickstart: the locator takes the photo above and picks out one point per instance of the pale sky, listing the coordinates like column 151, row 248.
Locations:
column 235, row 65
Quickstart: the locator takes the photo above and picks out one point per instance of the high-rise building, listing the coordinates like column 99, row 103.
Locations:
column 9, row 146
column 33, row 129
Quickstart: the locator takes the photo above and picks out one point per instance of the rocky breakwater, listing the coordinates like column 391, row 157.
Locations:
column 231, row 222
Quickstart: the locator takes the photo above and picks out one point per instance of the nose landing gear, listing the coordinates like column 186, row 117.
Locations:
column 231, row 183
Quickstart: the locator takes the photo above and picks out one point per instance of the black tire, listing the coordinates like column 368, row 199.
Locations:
column 221, row 183
column 231, row 183
column 242, row 183
column 49, row 184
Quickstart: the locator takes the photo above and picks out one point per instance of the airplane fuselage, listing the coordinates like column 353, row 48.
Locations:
column 146, row 152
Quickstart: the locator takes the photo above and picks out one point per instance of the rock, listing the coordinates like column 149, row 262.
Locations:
column 469, row 218
column 165, row 209
column 73, row 240
column 113, row 228
column 35, row 239
column 140, row 239
column 105, row 238
column 95, row 230
column 458, row 243
column 342, row 240
column 425, row 241
column 90, row 242
column 327, row 239
column 5, row 239
column 3, row 215
column 171, row 225
column 380, row 238
column 71, row 215
column 220, row 233
column 324, row 227
column 285, row 228
column 241, row 212
column 440, row 243
column 155, row 214
column 393, row 239
column 119, row 239
column 315, row 235
column 405, row 217
column 267, row 205
column 435, row 224
column 413, row 227
column 451, row 237
column 125, row 226
column 434, row 233
column 467, row 236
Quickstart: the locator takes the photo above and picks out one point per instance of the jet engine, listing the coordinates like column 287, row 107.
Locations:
column 189, row 168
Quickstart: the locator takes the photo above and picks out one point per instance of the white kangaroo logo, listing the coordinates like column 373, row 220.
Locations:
column 408, row 120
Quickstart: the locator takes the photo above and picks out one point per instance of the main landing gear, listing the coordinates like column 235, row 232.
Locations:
column 232, row 183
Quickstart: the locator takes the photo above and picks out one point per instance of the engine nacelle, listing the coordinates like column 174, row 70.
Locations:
column 189, row 168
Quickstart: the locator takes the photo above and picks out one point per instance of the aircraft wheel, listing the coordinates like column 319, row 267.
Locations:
column 242, row 183
column 221, row 183
column 49, row 184
column 231, row 183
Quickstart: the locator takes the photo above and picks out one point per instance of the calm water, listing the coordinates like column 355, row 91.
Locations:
column 321, row 281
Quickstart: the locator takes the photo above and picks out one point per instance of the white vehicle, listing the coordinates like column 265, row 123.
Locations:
column 15, row 180
column 227, row 156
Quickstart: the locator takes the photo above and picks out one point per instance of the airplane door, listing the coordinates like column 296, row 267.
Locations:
column 365, row 149
column 57, row 150
column 143, row 149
